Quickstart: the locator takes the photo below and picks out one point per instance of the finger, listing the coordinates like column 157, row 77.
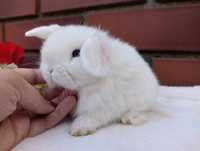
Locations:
column 59, row 98
column 33, row 101
column 42, row 124
column 7, row 107
column 33, row 76
column 65, row 107
column 50, row 93
column 20, row 125
column 63, row 95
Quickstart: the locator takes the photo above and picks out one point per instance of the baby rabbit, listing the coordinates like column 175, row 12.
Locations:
column 113, row 81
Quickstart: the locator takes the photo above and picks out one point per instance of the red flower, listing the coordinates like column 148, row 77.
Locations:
column 10, row 53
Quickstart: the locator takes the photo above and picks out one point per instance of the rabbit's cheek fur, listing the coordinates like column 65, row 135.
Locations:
column 47, row 76
column 71, row 76
column 82, row 77
column 61, row 76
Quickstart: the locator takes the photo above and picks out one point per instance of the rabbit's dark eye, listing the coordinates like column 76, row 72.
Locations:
column 76, row 53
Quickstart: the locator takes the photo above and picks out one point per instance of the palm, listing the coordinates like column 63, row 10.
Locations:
column 14, row 129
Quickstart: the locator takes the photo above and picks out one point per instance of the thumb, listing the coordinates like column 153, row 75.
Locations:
column 33, row 101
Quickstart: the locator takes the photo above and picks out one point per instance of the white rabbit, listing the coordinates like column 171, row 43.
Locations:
column 113, row 81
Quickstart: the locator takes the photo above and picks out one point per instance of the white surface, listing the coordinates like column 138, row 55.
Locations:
column 179, row 131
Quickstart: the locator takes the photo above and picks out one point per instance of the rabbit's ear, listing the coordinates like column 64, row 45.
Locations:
column 42, row 32
column 94, row 57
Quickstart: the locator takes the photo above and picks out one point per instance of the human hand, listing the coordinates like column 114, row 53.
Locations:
column 25, row 111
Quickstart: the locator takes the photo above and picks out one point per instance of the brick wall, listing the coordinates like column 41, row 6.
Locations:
column 166, row 32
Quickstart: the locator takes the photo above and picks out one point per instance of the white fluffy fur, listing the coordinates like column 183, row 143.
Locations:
column 113, row 81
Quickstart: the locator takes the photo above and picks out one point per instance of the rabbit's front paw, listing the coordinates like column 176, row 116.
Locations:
column 134, row 118
column 83, row 126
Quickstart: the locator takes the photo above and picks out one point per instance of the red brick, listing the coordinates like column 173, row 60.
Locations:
column 51, row 6
column 177, row 71
column 1, row 33
column 166, row 28
column 11, row 8
column 14, row 31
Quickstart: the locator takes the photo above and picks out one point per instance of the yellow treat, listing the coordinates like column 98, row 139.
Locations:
column 40, row 86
